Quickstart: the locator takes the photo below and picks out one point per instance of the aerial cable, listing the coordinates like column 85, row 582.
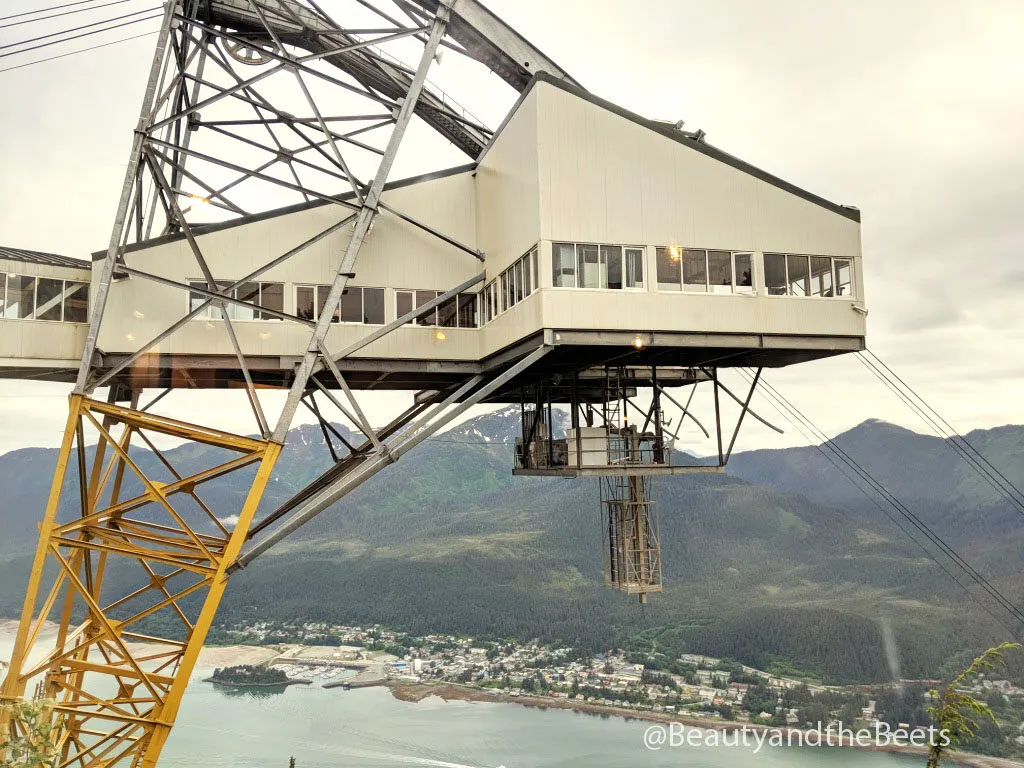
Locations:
column 978, row 463
column 944, row 429
column 75, row 29
column 814, row 440
column 44, row 10
column 909, row 515
column 72, row 53
column 56, row 15
column 84, row 34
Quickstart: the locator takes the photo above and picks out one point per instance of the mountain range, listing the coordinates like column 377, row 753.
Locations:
column 778, row 561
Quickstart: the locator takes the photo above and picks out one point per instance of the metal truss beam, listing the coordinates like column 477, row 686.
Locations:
column 178, row 551
column 126, row 645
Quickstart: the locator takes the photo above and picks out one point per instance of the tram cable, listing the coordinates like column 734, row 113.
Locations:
column 83, row 34
column 796, row 417
column 943, row 429
column 80, row 50
column 45, row 10
column 56, row 15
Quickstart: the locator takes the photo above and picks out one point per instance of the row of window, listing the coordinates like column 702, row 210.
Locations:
column 457, row 312
column 358, row 304
column 574, row 265
column 268, row 295
column 585, row 265
column 511, row 286
column 23, row 297
column 704, row 271
column 698, row 270
column 787, row 274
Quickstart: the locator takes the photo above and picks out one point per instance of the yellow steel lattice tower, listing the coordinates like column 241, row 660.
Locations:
column 117, row 689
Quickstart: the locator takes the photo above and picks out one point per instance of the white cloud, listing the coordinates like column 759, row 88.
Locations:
column 907, row 110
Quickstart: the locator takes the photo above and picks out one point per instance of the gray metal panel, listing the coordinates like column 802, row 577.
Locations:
column 498, row 46
column 681, row 137
column 38, row 257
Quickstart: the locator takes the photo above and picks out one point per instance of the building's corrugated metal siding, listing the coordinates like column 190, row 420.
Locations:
column 396, row 255
column 38, row 257
column 508, row 198
column 39, row 269
column 28, row 340
column 606, row 179
column 39, row 341
column 563, row 168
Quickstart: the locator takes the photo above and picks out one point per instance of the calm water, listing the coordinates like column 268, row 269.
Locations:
column 368, row 728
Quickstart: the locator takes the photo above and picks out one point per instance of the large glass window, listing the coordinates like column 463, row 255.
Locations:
column 49, row 294
column 358, row 305
column 634, row 267
column 588, row 266
column 708, row 271
column 695, row 270
column 76, row 302
column 799, row 275
column 611, row 258
column 248, row 292
column 448, row 313
column 43, row 298
column 467, row 310
column 489, row 307
column 563, row 265
column 21, row 297
column 743, row 269
column 373, row 306
column 430, row 316
column 843, row 277
column 352, row 305
column 513, row 285
column 598, row 266
column 305, row 302
column 268, row 295
column 457, row 312
column 403, row 303
column 775, row 274
column 821, row 276
column 669, row 268
column 720, row 272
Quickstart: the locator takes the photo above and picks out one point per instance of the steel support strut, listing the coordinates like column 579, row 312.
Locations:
column 132, row 567
column 129, row 521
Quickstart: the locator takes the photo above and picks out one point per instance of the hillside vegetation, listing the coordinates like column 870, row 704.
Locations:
column 777, row 562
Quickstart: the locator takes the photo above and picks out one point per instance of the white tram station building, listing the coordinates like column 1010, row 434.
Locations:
column 593, row 226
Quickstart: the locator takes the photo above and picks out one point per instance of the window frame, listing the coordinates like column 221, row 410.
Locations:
column 833, row 273
column 513, row 285
column 62, row 295
column 455, row 300
column 259, row 317
column 707, row 288
column 603, row 251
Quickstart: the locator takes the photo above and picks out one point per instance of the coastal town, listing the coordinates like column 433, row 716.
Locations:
column 693, row 688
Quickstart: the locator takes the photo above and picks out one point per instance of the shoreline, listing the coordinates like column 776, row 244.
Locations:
column 228, row 684
column 416, row 692
column 227, row 655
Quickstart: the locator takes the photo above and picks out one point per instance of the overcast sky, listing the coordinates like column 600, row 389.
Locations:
column 911, row 111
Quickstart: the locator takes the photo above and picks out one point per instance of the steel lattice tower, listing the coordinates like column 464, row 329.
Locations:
column 232, row 122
